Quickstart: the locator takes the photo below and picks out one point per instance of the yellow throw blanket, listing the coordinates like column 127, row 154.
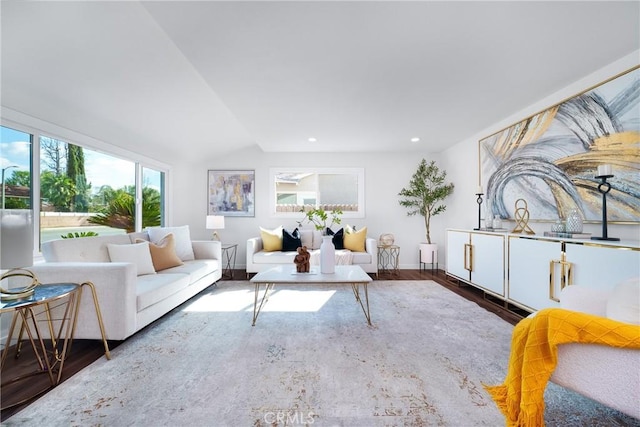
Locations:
column 534, row 354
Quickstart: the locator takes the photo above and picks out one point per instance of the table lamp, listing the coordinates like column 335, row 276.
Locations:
column 215, row 222
column 16, row 251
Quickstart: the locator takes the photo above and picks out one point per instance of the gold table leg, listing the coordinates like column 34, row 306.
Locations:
column 265, row 297
column 96, row 305
column 356, row 291
column 5, row 350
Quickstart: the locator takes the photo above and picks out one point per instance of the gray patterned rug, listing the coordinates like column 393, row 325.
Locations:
column 311, row 359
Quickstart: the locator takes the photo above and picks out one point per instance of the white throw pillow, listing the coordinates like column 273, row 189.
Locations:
column 624, row 303
column 306, row 237
column 317, row 239
column 181, row 235
column 136, row 253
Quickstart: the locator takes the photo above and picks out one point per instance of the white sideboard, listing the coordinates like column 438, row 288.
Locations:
column 478, row 259
column 529, row 271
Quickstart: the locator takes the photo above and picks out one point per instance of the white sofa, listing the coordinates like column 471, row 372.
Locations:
column 605, row 374
column 128, row 301
column 258, row 260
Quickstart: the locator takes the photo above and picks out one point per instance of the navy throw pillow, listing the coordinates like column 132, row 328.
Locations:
column 338, row 237
column 291, row 240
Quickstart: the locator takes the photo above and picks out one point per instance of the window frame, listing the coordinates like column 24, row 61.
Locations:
column 359, row 172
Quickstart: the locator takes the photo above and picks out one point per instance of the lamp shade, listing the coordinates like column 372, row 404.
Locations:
column 16, row 238
column 215, row 222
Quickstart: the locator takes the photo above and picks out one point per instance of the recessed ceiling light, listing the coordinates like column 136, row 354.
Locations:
column 312, row 139
column 416, row 139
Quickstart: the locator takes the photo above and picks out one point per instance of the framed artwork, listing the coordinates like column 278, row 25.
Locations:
column 551, row 158
column 231, row 192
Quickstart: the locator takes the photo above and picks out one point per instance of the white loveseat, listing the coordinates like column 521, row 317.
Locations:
column 605, row 374
column 128, row 301
column 259, row 260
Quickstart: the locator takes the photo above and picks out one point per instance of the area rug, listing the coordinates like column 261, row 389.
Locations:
column 311, row 359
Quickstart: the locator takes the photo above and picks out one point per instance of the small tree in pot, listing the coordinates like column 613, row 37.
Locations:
column 426, row 190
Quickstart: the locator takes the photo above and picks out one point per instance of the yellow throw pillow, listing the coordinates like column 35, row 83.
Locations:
column 163, row 253
column 355, row 240
column 271, row 239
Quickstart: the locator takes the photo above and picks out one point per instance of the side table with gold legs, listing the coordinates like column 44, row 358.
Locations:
column 54, row 306
column 388, row 259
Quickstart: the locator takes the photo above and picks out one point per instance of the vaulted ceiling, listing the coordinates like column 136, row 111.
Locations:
column 181, row 81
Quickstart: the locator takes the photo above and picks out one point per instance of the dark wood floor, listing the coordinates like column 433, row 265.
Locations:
column 85, row 352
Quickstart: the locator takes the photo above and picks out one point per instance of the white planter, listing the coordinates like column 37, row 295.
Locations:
column 429, row 253
column 327, row 256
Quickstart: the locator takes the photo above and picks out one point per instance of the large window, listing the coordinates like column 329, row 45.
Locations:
column 83, row 191
column 79, row 191
column 152, row 196
column 15, row 160
column 330, row 189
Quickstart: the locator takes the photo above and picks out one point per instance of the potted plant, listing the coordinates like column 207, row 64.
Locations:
column 424, row 194
column 320, row 218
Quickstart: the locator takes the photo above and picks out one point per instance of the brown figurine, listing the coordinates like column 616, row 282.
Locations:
column 302, row 260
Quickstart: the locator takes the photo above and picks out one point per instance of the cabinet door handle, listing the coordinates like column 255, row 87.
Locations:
column 565, row 279
column 468, row 257
column 568, row 281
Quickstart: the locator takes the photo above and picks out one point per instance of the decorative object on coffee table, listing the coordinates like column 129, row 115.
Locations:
column 522, row 218
column 301, row 260
column 327, row 255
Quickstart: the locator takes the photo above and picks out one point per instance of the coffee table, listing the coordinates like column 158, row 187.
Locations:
column 353, row 275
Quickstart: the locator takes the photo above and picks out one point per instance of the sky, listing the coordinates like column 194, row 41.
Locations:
column 101, row 169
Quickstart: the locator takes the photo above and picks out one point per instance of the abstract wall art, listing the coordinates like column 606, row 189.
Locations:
column 551, row 158
column 231, row 193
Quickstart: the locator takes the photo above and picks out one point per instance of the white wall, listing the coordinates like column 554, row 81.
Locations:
column 385, row 174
